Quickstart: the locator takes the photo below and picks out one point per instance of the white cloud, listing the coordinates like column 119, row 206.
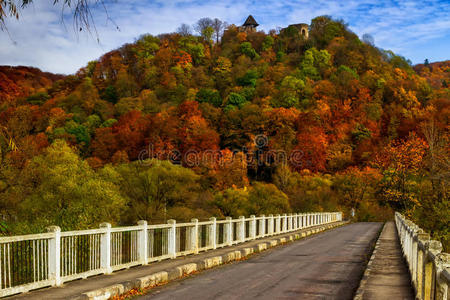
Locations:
column 43, row 41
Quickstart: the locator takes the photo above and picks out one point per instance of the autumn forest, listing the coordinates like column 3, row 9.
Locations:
column 227, row 123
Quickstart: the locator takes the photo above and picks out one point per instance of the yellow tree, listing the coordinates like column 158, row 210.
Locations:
column 400, row 163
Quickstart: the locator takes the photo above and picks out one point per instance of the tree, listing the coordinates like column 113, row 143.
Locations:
column 63, row 190
column 152, row 187
column 247, row 49
column 207, row 33
column 310, row 153
column 400, row 163
column 203, row 24
column 368, row 39
column 235, row 100
column 218, row 26
column 209, row 96
column 232, row 202
column 354, row 185
column 266, row 199
column 230, row 170
column 184, row 30
column 324, row 29
column 291, row 90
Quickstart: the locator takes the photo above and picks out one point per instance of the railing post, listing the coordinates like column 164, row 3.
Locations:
column 241, row 229
column 277, row 224
column 105, row 248
column 194, row 236
column 288, row 222
column 414, row 260
column 295, row 225
column 285, row 223
column 143, row 242
column 291, row 222
column 423, row 239
column 54, row 255
column 270, row 225
column 171, row 247
column 262, row 226
column 228, row 231
column 435, row 247
column 252, row 227
column 212, row 233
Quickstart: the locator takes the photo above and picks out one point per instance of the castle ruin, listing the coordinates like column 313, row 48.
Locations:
column 250, row 25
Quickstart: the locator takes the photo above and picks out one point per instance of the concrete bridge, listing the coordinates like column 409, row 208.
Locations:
column 296, row 256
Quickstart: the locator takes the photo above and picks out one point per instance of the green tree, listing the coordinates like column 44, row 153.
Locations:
column 235, row 100
column 209, row 96
column 314, row 63
column 267, row 199
column 152, row 187
column 233, row 202
column 291, row 90
column 247, row 49
column 268, row 43
column 207, row 34
column 61, row 188
column 249, row 79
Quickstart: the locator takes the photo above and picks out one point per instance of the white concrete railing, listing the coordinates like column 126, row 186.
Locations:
column 428, row 266
column 50, row 259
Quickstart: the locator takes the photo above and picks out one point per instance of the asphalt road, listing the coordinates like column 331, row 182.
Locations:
column 328, row 265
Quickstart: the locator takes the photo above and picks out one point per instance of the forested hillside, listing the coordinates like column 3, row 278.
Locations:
column 19, row 82
column 181, row 126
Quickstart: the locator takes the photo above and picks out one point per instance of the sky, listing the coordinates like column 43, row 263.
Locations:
column 45, row 37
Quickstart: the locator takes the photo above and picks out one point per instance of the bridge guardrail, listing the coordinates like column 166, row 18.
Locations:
column 428, row 265
column 49, row 259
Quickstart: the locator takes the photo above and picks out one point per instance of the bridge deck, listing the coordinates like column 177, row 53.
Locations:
column 388, row 277
column 74, row 288
column 328, row 265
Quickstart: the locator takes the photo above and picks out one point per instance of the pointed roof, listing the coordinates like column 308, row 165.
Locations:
column 250, row 21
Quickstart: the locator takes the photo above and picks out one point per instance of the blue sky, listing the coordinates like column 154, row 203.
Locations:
column 414, row 29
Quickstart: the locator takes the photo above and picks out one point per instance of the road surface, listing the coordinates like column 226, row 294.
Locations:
column 328, row 265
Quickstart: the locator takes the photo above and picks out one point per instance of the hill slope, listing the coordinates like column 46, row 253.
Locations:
column 17, row 82
column 262, row 122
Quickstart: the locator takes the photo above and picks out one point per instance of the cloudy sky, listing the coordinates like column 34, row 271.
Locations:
column 414, row 29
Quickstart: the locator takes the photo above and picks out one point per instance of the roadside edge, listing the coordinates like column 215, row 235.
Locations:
column 360, row 292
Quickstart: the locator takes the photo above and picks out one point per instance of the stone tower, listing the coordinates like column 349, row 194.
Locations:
column 303, row 29
column 249, row 25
